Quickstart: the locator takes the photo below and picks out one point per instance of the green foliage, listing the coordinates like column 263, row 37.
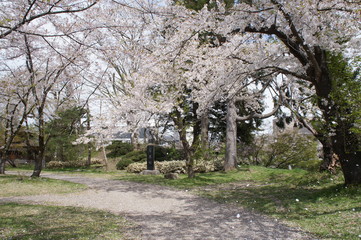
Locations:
column 218, row 125
column 346, row 94
column 21, row 221
column 63, row 131
column 135, row 156
column 118, row 148
column 123, row 164
column 168, row 154
column 292, row 149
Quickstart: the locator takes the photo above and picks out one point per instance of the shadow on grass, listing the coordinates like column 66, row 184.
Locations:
column 331, row 212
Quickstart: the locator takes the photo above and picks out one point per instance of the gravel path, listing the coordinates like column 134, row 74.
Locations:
column 163, row 213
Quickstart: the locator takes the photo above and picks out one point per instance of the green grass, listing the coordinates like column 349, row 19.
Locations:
column 20, row 185
column 20, row 221
column 318, row 203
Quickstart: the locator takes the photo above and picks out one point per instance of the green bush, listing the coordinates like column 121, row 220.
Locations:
column 123, row 163
column 118, row 148
column 135, row 156
column 292, row 149
column 168, row 154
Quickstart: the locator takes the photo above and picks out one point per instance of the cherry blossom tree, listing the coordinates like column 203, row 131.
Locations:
column 42, row 47
column 307, row 32
column 17, row 13
column 15, row 109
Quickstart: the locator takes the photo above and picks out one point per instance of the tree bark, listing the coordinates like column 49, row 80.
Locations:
column 88, row 162
column 105, row 158
column 346, row 146
column 204, row 135
column 178, row 121
column 344, row 143
column 41, row 141
column 230, row 162
column 329, row 158
column 2, row 162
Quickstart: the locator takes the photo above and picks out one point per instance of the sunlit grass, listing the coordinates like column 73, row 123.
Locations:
column 21, row 185
column 19, row 221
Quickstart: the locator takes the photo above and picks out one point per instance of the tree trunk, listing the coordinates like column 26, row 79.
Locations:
column 178, row 121
column 88, row 162
column 344, row 143
column 346, row 146
column 204, row 135
column 329, row 158
column 2, row 164
column 105, row 158
column 134, row 140
column 41, row 141
column 40, row 158
column 231, row 137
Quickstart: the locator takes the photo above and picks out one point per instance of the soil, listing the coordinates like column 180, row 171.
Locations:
column 163, row 213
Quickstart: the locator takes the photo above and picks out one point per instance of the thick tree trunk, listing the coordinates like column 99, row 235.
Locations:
column 230, row 162
column 346, row 146
column 350, row 163
column 134, row 140
column 2, row 165
column 41, row 141
column 344, row 143
column 177, row 119
column 40, row 158
column 329, row 162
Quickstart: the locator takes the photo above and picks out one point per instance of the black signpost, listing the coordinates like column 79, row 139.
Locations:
column 150, row 157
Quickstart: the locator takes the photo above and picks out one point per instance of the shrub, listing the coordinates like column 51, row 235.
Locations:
column 292, row 149
column 54, row 164
column 218, row 164
column 136, row 167
column 135, row 156
column 168, row 154
column 97, row 161
column 178, row 166
column 171, row 166
column 59, row 164
column 123, row 163
column 118, row 148
column 203, row 166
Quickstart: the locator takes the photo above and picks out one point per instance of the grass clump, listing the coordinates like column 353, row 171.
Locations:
column 25, row 222
column 20, row 185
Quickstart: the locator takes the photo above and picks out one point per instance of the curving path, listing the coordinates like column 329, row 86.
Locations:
column 163, row 213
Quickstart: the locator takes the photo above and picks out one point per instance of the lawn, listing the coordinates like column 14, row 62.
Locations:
column 24, row 221
column 21, row 221
column 20, row 185
column 316, row 202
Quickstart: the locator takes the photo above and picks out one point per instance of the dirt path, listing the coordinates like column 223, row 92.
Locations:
column 164, row 213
